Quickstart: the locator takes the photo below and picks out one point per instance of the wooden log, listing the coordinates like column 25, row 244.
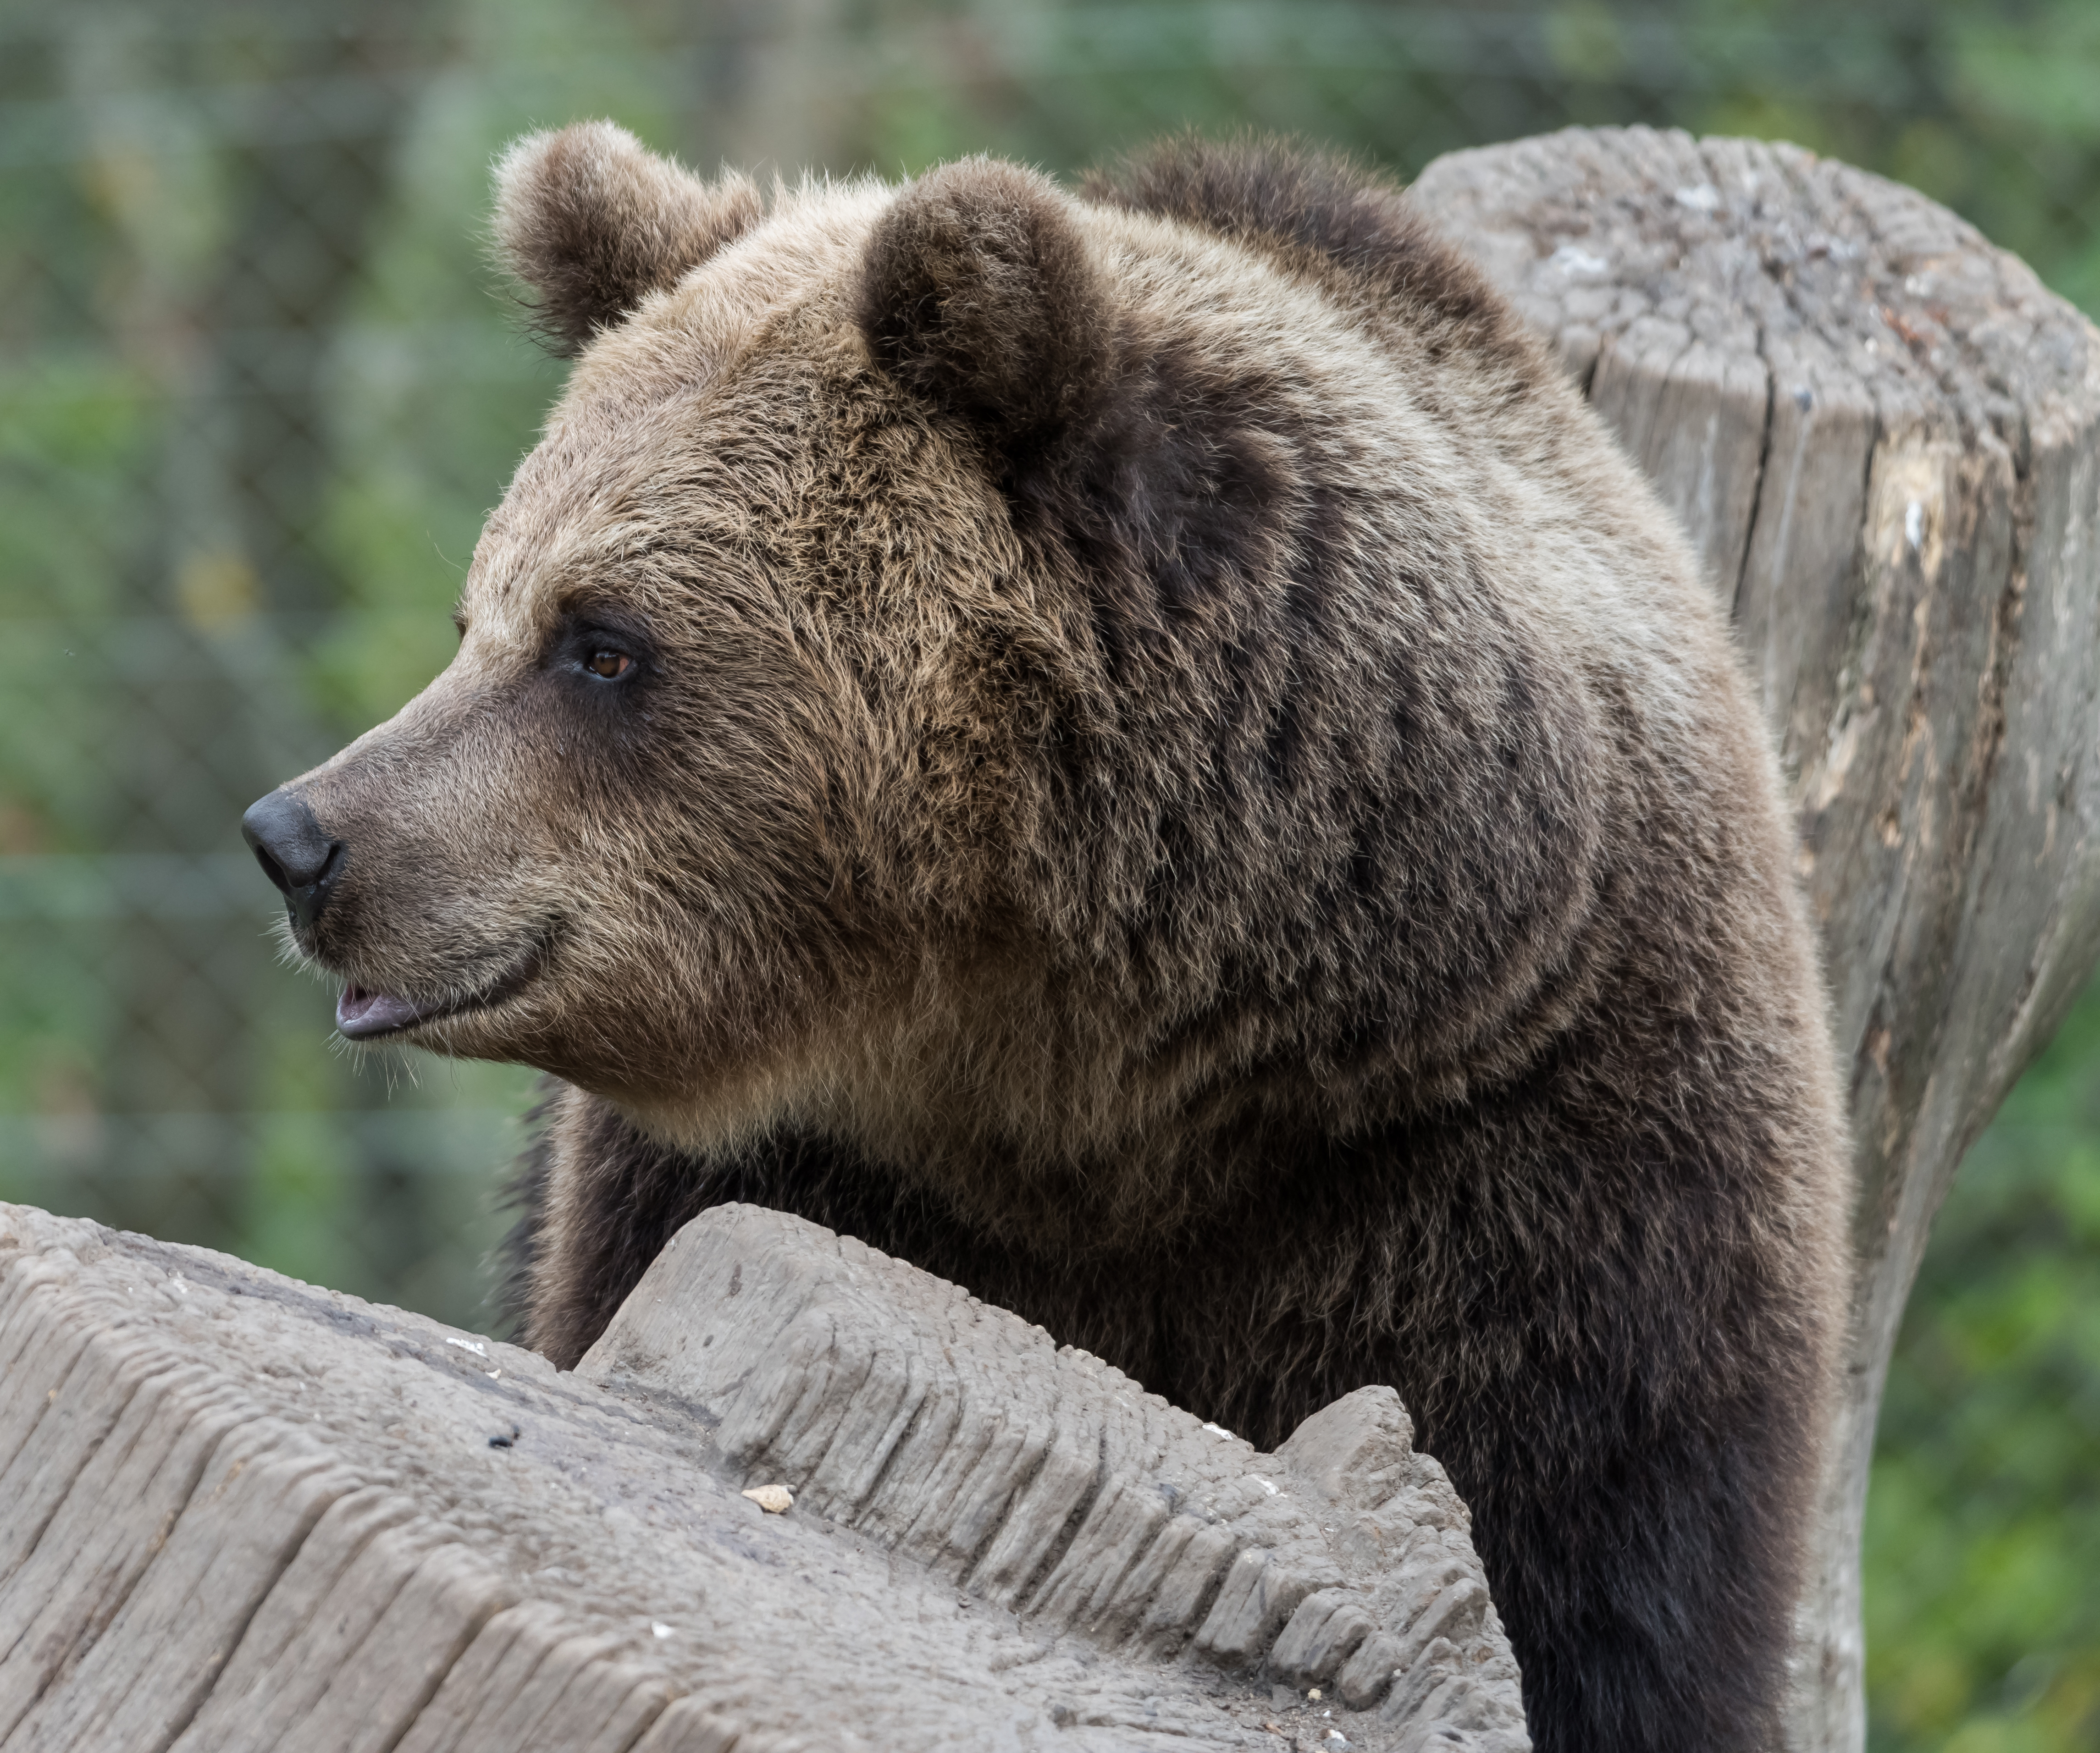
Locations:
column 1880, row 431
column 243, row 1514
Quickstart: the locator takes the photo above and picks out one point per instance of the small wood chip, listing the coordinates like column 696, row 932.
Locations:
column 774, row 1500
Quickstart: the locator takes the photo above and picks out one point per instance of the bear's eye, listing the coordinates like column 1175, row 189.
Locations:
column 609, row 664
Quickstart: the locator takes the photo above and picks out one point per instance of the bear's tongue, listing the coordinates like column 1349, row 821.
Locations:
column 359, row 1013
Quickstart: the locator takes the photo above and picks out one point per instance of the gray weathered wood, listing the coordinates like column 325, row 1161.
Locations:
column 243, row 1514
column 1880, row 431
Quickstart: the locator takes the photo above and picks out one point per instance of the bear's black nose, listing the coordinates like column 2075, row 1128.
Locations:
column 294, row 851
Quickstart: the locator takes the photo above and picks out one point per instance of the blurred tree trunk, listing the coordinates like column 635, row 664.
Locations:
column 771, row 102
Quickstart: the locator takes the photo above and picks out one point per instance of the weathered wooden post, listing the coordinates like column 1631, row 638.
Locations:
column 1881, row 434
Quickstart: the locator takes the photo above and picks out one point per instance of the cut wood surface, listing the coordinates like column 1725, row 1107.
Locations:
column 1880, row 433
column 247, row 1514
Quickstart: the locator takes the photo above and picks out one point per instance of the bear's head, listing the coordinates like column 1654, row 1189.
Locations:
column 950, row 666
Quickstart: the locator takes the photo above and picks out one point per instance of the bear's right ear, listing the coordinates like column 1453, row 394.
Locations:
column 978, row 292
column 593, row 222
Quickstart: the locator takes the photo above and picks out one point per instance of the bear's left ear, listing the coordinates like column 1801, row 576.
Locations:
column 978, row 293
column 593, row 222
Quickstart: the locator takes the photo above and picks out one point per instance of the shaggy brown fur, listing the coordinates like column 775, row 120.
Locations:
column 594, row 225
column 1147, row 753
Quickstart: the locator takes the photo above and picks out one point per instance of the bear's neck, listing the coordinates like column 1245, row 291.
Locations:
column 1038, row 1101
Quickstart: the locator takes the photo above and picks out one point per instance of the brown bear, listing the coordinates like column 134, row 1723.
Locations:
column 1143, row 750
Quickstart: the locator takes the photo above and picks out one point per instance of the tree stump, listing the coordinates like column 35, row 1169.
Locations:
column 243, row 1514
column 1879, row 431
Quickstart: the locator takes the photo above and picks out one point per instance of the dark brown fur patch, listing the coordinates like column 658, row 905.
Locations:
column 1317, row 210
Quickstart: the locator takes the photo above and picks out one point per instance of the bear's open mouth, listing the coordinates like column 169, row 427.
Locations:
column 364, row 1013
column 361, row 1014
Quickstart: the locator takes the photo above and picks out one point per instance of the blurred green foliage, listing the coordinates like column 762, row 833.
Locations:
column 188, row 618
column 1982, row 1570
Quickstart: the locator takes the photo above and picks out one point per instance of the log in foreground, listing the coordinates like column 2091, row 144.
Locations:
column 1883, row 435
column 245, row 1513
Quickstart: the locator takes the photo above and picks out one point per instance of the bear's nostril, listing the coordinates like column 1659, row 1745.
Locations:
column 272, row 869
column 294, row 850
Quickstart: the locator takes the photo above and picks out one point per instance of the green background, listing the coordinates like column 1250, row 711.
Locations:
column 258, row 387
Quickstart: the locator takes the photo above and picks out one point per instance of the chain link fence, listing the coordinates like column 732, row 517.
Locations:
column 258, row 386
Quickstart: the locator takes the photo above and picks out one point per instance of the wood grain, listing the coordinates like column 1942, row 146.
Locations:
column 1880, row 433
column 246, row 1515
